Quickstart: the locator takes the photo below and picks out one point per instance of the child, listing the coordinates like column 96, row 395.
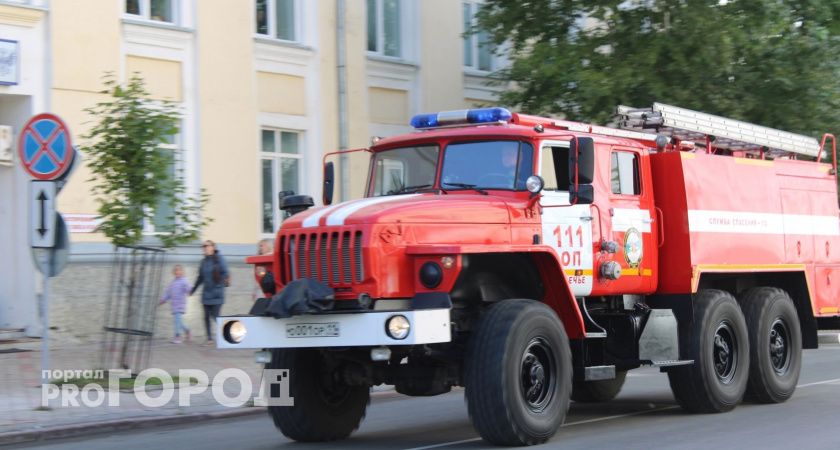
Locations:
column 177, row 292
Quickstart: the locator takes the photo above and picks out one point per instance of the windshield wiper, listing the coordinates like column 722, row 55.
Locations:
column 408, row 189
column 467, row 186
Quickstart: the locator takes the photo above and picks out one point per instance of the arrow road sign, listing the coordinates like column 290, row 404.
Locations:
column 42, row 214
column 51, row 261
column 42, row 198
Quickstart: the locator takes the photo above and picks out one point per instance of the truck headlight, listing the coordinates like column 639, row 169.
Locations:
column 234, row 331
column 397, row 327
column 534, row 184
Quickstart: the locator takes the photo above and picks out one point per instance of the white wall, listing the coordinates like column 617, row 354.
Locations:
column 18, row 300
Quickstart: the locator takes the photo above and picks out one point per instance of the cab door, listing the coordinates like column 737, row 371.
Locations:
column 633, row 221
column 566, row 228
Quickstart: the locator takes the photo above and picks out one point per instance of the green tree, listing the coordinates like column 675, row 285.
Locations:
column 132, row 173
column 769, row 62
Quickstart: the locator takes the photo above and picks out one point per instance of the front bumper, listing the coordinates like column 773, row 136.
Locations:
column 361, row 329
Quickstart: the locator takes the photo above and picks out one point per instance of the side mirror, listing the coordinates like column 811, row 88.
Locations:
column 329, row 182
column 581, row 160
column 583, row 195
column 581, row 170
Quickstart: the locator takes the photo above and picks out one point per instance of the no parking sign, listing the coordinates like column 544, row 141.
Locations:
column 45, row 148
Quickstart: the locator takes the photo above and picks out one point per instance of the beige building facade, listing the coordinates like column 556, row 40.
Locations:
column 260, row 83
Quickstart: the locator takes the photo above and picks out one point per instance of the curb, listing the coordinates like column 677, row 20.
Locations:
column 139, row 423
column 136, row 423
column 830, row 338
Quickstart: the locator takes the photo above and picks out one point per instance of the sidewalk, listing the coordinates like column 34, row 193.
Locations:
column 20, row 390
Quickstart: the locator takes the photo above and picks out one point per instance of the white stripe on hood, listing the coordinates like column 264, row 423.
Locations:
column 338, row 217
column 315, row 219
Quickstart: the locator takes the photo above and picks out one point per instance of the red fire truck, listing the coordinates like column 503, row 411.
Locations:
column 534, row 261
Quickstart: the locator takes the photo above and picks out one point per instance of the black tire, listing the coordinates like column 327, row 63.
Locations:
column 717, row 341
column 323, row 410
column 775, row 344
column 518, row 373
column 598, row 391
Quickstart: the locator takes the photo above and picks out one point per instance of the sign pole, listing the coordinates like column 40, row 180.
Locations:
column 47, row 154
column 45, row 313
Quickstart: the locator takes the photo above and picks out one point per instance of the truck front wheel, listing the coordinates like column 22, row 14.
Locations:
column 518, row 374
column 325, row 409
column 775, row 344
column 717, row 341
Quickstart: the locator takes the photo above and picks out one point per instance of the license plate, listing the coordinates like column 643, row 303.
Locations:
column 305, row 330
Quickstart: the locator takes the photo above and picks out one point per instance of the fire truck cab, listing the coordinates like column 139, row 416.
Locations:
column 534, row 261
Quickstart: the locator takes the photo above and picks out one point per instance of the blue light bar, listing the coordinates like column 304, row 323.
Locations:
column 424, row 121
column 463, row 116
column 486, row 115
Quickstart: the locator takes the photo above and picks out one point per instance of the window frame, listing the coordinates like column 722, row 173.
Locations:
column 145, row 12
column 637, row 173
column 473, row 40
column 276, row 176
column 271, row 20
column 379, row 31
column 177, row 149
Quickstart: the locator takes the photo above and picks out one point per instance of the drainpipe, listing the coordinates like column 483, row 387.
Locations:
column 194, row 182
column 341, row 48
column 48, row 65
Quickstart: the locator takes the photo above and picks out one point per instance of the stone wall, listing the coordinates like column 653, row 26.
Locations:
column 78, row 298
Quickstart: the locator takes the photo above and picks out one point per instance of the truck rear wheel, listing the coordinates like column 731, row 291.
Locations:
column 518, row 374
column 324, row 408
column 598, row 391
column 717, row 341
column 775, row 344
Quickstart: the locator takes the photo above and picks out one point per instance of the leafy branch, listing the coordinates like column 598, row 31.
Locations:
column 131, row 167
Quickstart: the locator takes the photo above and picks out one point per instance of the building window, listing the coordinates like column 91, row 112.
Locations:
column 277, row 19
column 280, row 166
column 164, row 214
column 157, row 10
column 478, row 49
column 384, row 27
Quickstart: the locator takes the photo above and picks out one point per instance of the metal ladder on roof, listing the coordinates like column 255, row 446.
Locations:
column 718, row 132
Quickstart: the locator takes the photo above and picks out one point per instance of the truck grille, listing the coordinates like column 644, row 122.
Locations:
column 334, row 258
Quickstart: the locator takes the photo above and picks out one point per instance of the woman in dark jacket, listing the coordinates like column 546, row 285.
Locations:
column 213, row 273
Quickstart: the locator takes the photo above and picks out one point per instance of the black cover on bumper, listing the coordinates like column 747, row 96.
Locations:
column 304, row 296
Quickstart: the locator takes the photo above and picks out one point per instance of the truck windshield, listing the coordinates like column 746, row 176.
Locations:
column 488, row 165
column 404, row 170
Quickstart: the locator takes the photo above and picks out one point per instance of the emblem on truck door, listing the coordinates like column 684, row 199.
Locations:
column 633, row 249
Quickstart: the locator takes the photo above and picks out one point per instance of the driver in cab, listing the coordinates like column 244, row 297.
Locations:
column 506, row 174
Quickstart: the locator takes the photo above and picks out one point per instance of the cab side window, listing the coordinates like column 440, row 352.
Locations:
column 624, row 175
column 554, row 168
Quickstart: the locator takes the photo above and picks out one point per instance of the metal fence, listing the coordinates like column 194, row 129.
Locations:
column 135, row 287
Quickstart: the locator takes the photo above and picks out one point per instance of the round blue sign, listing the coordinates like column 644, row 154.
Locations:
column 45, row 147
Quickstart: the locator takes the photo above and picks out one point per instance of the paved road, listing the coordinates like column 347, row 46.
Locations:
column 643, row 416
